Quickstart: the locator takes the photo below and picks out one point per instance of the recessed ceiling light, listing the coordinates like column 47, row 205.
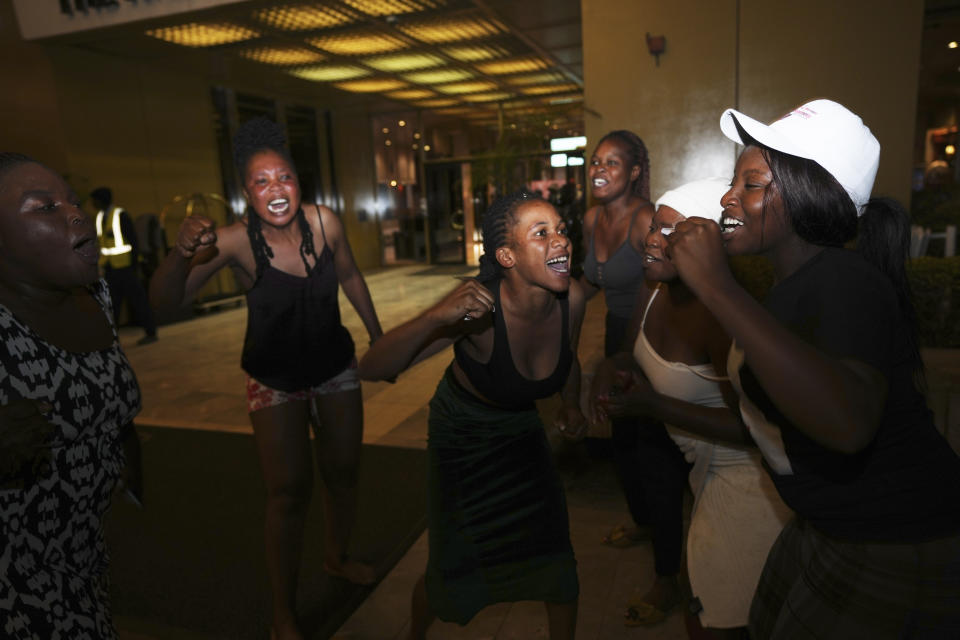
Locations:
column 447, row 30
column 392, row 7
column 438, row 76
column 325, row 73
column 358, row 43
column 952, row 44
column 500, row 67
column 411, row 94
column 282, row 55
column 465, row 87
column 403, row 62
column 203, row 35
column 476, row 53
column 303, row 17
column 373, row 85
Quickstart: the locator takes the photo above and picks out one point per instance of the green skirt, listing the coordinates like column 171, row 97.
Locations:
column 497, row 515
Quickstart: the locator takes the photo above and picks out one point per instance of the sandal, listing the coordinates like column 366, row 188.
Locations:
column 621, row 537
column 641, row 613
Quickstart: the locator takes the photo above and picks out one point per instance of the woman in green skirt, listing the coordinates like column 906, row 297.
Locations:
column 497, row 516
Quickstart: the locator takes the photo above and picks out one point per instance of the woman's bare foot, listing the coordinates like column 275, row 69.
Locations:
column 352, row 571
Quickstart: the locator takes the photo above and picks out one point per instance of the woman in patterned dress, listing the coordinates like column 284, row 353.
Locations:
column 67, row 399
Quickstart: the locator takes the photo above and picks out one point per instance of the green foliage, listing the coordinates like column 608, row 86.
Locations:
column 936, row 293
column 936, row 297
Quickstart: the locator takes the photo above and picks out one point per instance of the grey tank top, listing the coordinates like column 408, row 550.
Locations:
column 620, row 277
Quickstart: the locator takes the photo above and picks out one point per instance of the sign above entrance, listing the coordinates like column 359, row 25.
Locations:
column 46, row 18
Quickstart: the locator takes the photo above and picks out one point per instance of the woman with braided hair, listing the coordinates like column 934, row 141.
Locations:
column 301, row 370
column 496, row 513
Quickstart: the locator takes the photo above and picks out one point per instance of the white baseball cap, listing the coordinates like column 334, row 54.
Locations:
column 823, row 131
column 700, row 198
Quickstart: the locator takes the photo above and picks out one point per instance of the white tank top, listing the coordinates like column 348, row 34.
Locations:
column 697, row 384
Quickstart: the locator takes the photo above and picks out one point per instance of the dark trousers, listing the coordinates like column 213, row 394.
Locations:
column 125, row 285
column 651, row 470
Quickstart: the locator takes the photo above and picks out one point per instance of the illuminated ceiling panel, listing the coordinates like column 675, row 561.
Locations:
column 373, row 85
column 439, row 76
column 303, row 17
column 404, row 62
column 476, row 53
column 518, row 65
column 282, row 55
column 552, row 88
column 358, row 43
column 465, row 87
column 451, row 30
column 203, row 35
column 412, row 94
column 455, row 111
column 537, row 78
column 439, row 102
column 392, row 7
column 330, row 73
column 487, row 97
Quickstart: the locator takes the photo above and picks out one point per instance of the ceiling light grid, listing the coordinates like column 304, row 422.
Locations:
column 411, row 94
column 515, row 65
column 371, row 85
column 401, row 62
column 457, row 88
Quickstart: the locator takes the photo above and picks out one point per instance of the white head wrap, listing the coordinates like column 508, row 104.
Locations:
column 700, row 198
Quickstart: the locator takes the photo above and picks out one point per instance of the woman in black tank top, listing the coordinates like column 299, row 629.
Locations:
column 498, row 522
column 298, row 356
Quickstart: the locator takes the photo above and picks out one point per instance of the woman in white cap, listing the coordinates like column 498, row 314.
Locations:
column 677, row 374
column 827, row 371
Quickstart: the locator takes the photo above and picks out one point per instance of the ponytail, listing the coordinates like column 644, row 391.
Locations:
column 884, row 241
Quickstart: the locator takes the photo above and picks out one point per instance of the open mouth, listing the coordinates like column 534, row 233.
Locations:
column 599, row 182
column 560, row 264
column 278, row 206
column 729, row 225
column 87, row 248
column 648, row 258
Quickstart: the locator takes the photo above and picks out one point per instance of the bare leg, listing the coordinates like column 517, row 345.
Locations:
column 282, row 444
column 562, row 619
column 338, row 441
column 420, row 614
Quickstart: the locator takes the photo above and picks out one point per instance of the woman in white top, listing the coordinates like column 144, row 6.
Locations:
column 677, row 373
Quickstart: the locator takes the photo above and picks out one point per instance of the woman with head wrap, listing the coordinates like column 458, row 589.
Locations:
column 677, row 373
column 497, row 516
column 827, row 373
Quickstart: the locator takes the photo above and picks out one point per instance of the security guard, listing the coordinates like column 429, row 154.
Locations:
column 118, row 259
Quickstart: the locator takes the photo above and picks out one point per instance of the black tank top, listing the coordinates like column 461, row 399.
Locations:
column 498, row 379
column 294, row 336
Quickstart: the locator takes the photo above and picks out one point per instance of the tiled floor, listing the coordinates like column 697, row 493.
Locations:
column 191, row 378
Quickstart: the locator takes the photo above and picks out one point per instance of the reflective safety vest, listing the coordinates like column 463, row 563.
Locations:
column 114, row 250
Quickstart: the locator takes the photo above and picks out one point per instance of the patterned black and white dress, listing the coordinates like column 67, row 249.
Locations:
column 53, row 561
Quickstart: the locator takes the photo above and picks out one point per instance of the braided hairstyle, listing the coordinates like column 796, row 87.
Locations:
column 495, row 227
column 637, row 155
column 256, row 136
column 10, row 160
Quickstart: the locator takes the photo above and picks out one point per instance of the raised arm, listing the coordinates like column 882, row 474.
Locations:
column 200, row 252
column 428, row 333
column 837, row 402
column 354, row 286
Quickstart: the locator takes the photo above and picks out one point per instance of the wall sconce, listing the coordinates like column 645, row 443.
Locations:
column 656, row 45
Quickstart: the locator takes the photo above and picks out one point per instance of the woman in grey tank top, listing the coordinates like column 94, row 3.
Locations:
column 649, row 465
